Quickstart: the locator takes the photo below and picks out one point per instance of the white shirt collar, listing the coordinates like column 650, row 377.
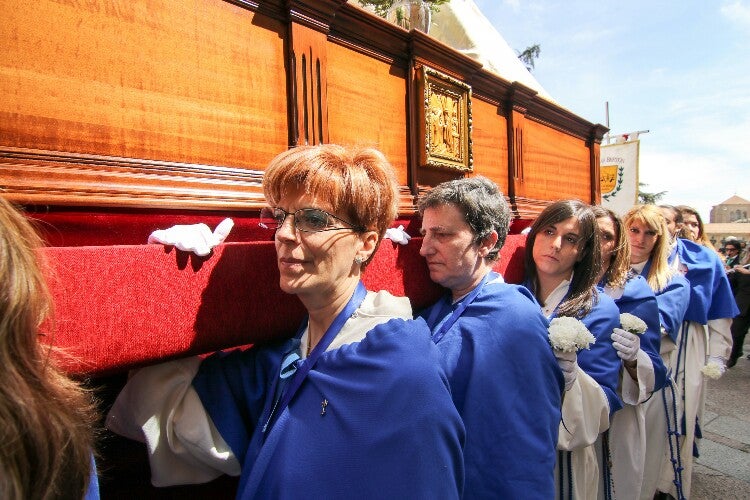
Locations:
column 555, row 297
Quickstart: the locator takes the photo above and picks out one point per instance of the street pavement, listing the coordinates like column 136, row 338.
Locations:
column 723, row 469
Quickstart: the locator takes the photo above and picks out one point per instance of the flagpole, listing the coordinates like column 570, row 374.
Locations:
column 606, row 118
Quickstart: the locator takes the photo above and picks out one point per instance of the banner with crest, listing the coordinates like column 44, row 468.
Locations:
column 618, row 175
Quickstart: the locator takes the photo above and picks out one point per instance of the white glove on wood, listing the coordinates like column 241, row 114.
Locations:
column 196, row 238
column 626, row 344
column 568, row 362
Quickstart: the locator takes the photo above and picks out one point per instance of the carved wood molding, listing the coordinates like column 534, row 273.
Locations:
column 552, row 115
column 316, row 15
column 407, row 202
column 444, row 116
column 32, row 176
column 515, row 147
column 491, row 88
column 308, row 100
column 596, row 185
column 370, row 34
column 429, row 51
column 517, row 103
column 528, row 208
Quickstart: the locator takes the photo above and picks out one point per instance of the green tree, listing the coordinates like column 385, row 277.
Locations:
column 383, row 6
column 529, row 56
column 647, row 198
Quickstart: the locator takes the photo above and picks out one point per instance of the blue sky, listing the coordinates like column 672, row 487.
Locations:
column 680, row 69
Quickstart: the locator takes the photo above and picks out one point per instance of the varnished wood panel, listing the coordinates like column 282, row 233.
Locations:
column 170, row 104
column 367, row 104
column 198, row 81
column 556, row 165
column 490, row 138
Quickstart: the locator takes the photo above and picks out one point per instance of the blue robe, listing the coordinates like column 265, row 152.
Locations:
column 92, row 490
column 639, row 300
column 710, row 293
column 389, row 429
column 673, row 303
column 507, row 387
column 601, row 361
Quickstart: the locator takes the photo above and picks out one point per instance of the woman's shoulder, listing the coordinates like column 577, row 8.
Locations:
column 397, row 340
column 636, row 287
column 384, row 304
column 505, row 295
column 605, row 306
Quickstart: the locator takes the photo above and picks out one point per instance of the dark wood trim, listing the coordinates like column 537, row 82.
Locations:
column 371, row 35
column 33, row 176
column 413, row 100
column 491, row 88
column 316, row 15
column 594, row 144
column 441, row 57
column 529, row 208
column 307, row 99
column 558, row 118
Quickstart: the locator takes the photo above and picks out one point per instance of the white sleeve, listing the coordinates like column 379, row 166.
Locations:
column 637, row 391
column 158, row 406
column 720, row 337
column 585, row 413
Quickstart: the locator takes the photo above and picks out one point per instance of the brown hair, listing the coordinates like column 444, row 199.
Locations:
column 356, row 181
column 702, row 238
column 46, row 436
column 617, row 269
column 583, row 295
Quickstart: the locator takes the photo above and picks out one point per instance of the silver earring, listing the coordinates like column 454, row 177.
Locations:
column 358, row 260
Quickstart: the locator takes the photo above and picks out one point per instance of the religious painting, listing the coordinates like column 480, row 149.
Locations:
column 445, row 121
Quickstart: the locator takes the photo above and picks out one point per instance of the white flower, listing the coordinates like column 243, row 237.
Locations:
column 569, row 334
column 712, row 370
column 632, row 324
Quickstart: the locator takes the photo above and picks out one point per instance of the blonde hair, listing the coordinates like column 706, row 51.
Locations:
column 46, row 436
column 650, row 216
column 359, row 182
column 616, row 274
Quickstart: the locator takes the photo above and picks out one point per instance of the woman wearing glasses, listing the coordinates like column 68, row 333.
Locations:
column 354, row 404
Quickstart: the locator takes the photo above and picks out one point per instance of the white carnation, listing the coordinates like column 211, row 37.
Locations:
column 712, row 370
column 632, row 324
column 569, row 334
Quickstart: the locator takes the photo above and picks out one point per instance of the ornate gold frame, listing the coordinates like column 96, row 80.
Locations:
column 444, row 116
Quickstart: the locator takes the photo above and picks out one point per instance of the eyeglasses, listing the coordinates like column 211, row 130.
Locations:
column 307, row 220
column 732, row 249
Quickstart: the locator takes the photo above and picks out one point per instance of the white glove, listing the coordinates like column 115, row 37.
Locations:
column 626, row 344
column 720, row 362
column 397, row 235
column 196, row 238
column 568, row 362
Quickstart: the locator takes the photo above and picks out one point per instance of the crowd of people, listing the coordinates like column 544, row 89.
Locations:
column 470, row 397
